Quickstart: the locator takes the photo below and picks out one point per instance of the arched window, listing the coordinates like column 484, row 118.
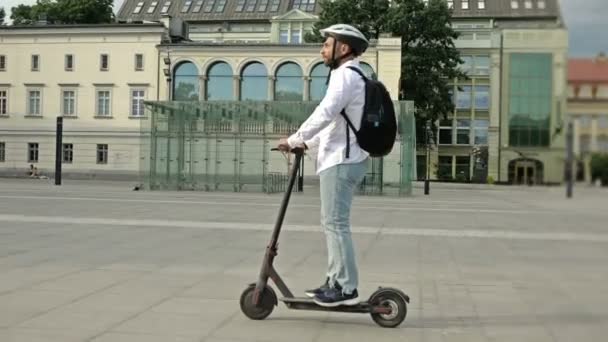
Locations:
column 254, row 82
column 185, row 84
column 289, row 85
column 318, row 77
column 219, row 82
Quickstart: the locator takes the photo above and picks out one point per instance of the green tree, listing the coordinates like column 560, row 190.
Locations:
column 21, row 15
column 65, row 12
column 2, row 15
column 429, row 57
column 369, row 16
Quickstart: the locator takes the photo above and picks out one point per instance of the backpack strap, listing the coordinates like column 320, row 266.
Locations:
column 343, row 112
column 349, row 124
column 358, row 71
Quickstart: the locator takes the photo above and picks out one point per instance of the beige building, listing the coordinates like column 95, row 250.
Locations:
column 95, row 76
column 588, row 109
column 508, row 126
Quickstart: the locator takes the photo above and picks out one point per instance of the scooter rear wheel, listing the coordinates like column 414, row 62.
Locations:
column 395, row 301
column 268, row 300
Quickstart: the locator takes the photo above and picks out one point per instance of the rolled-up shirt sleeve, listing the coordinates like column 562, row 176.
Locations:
column 336, row 99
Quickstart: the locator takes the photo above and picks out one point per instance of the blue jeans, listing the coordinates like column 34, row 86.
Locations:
column 338, row 185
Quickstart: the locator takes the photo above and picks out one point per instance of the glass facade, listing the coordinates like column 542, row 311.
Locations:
column 530, row 80
column 225, row 146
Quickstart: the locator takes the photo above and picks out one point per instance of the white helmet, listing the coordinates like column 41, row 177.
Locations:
column 348, row 35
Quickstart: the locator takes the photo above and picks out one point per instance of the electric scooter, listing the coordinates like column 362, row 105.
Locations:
column 387, row 306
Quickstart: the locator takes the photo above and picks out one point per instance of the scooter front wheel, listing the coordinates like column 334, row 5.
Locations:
column 393, row 299
column 268, row 300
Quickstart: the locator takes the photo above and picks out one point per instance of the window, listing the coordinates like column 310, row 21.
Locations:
column 69, row 62
column 239, row 5
column 67, row 153
column 2, row 63
column 482, row 65
column 274, row 5
column 284, row 36
column 209, row 6
column 481, row 4
column 295, row 36
column 263, row 6
column 304, row 5
column 463, row 168
column 68, row 102
column 464, row 4
column 220, row 82
column 220, row 6
column 445, row 132
column 514, row 4
column 137, row 102
column 254, row 83
column 104, row 63
column 166, row 7
column 32, row 152
column 3, row 102
column 2, row 152
column 541, row 4
column 102, row 153
column 186, row 82
column 139, row 62
column 450, row 4
column 444, row 169
column 602, row 122
column 463, row 128
column 482, row 97
column 186, row 6
column 35, row 63
column 251, row 5
column 103, row 103
column 530, row 99
column 528, row 4
column 34, row 98
column 152, row 7
column 289, row 85
column 138, row 8
column 467, row 64
column 318, row 76
column 199, row 4
column 463, row 97
column 481, row 131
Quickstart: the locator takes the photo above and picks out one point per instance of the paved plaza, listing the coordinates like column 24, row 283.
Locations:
column 97, row 261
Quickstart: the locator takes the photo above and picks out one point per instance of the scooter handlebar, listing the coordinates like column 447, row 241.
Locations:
column 295, row 150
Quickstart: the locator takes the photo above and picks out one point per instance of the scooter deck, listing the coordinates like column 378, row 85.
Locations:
column 304, row 303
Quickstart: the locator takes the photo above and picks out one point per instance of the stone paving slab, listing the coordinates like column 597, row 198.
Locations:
column 100, row 262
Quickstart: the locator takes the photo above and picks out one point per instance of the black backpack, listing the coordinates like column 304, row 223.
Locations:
column 378, row 130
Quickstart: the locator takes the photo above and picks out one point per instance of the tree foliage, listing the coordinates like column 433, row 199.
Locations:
column 65, row 12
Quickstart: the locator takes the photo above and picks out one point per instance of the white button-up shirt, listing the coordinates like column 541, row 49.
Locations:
column 325, row 129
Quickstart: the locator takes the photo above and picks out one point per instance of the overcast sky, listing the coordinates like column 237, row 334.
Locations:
column 587, row 22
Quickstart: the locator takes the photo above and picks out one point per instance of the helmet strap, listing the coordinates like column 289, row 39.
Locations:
column 334, row 62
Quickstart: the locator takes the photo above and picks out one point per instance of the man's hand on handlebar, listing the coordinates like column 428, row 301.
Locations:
column 283, row 145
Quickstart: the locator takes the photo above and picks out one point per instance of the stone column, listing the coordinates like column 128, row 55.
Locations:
column 202, row 83
column 306, row 96
column 271, row 80
column 236, row 87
